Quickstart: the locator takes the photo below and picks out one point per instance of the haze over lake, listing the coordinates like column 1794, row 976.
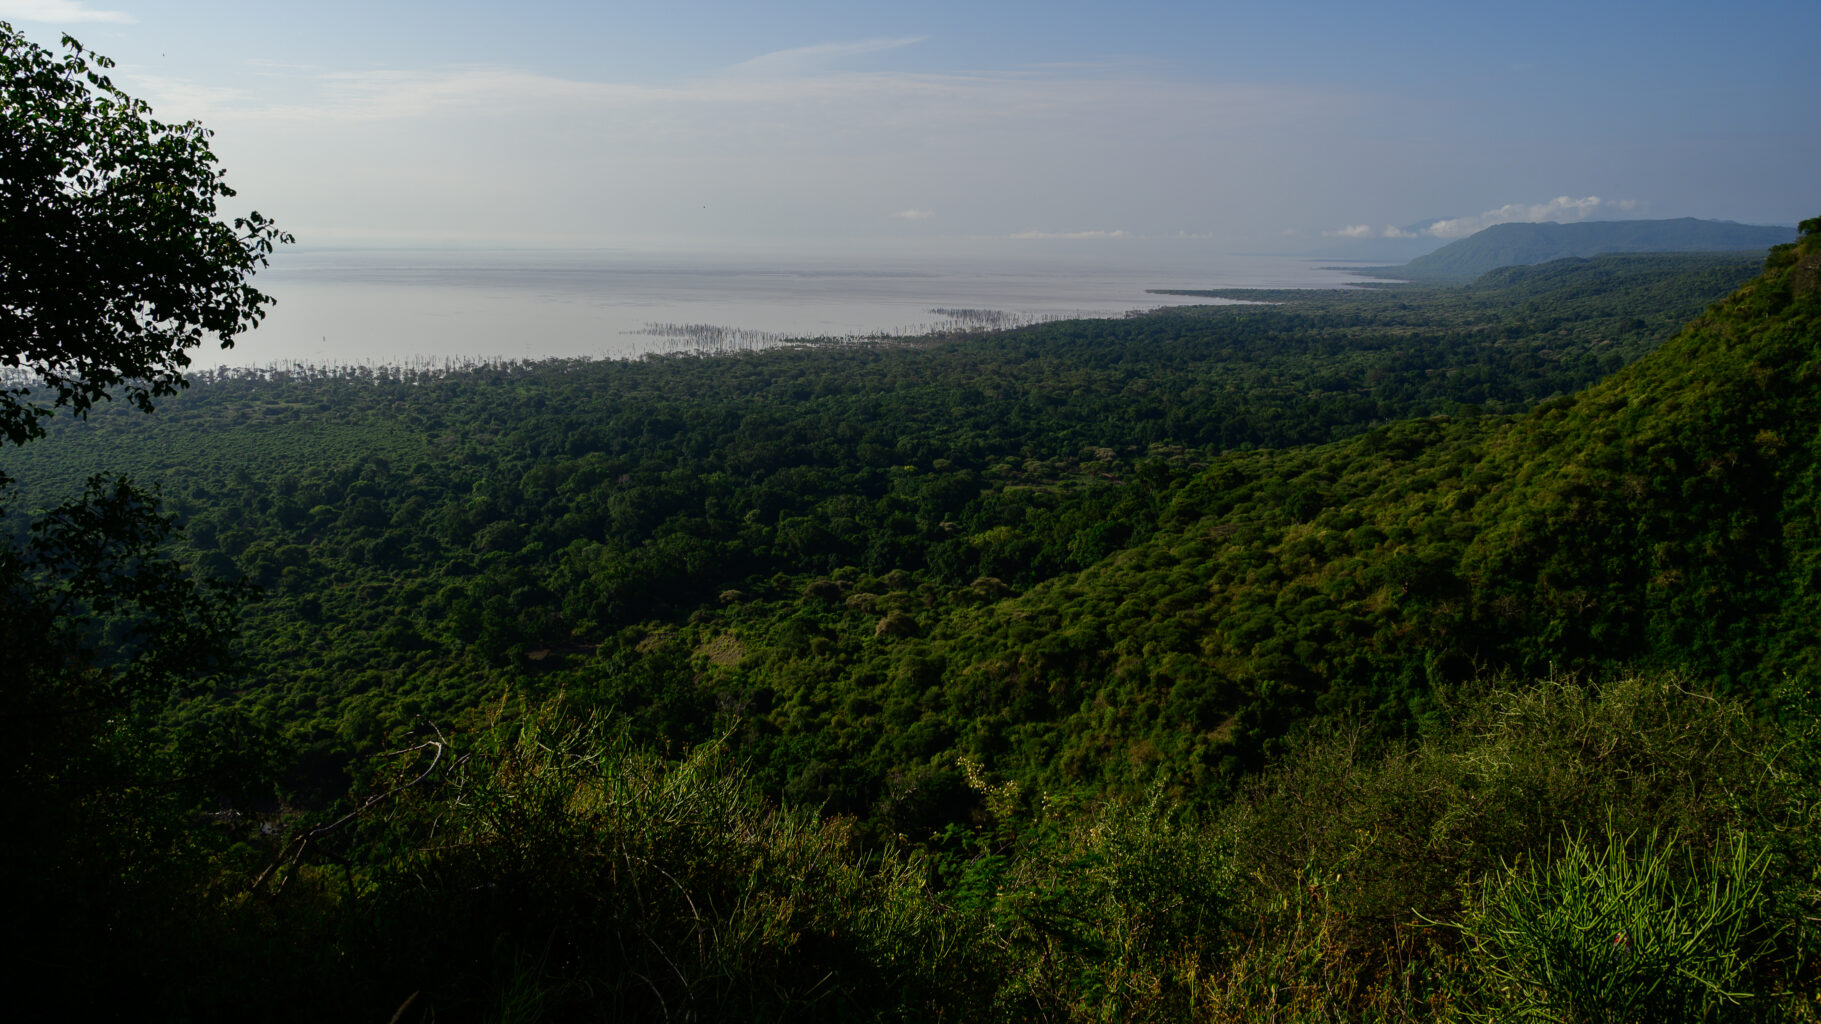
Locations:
column 415, row 306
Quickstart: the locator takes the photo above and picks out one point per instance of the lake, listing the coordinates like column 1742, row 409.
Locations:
column 375, row 307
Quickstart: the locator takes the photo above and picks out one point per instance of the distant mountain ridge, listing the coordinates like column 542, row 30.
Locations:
column 1506, row 245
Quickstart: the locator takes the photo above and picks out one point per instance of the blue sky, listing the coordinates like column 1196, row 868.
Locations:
column 1247, row 127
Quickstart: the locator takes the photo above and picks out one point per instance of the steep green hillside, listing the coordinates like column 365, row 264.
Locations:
column 1662, row 517
column 1670, row 512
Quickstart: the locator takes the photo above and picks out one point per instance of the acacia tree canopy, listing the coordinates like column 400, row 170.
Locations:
column 113, row 261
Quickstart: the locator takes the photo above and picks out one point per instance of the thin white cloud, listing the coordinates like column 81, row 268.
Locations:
column 279, row 65
column 63, row 11
column 352, row 96
column 194, row 99
column 913, row 215
column 1046, row 235
column 1368, row 231
column 1561, row 208
column 803, row 59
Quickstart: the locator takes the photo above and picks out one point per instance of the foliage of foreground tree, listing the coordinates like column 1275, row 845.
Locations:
column 113, row 262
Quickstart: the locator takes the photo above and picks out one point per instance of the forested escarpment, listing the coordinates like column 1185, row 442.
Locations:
column 1520, row 244
column 1392, row 654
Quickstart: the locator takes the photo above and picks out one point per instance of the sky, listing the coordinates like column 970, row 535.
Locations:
column 1054, row 126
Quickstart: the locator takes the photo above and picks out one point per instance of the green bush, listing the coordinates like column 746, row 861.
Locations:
column 1124, row 916
column 1637, row 930
column 1391, row 830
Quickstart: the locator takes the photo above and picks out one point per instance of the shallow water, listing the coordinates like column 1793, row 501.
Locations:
column 426, row 307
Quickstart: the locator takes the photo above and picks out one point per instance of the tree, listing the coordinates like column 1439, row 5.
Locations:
column 113, row 263
column 112, row 266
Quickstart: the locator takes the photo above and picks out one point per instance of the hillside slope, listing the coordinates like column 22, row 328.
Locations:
column 1506, row 245
column 1665, row 517
column 1670, row 510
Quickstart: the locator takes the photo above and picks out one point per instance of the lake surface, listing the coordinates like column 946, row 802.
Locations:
column 370, row 307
